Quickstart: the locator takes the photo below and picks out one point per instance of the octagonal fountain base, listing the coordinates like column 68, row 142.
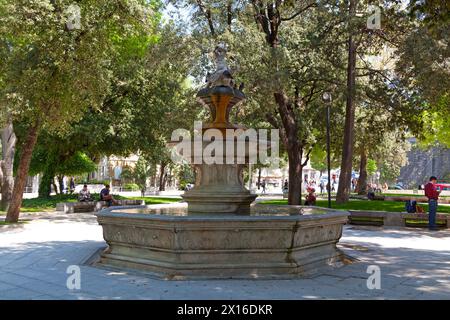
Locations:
column 272, row 242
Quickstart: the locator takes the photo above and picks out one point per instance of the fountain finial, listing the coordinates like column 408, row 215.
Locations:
column 220, row 54
column 220, row 93
column 222, row 76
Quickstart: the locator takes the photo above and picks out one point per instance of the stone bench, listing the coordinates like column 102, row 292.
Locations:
column 418, row 199
column 443, row 219
column 399, row 219
column 367, row 217
column 91, row 206
column 376, row 197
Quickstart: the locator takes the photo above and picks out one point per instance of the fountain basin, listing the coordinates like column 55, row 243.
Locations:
column 272, row 242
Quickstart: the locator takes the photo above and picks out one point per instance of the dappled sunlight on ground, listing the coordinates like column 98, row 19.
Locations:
column 411, row 238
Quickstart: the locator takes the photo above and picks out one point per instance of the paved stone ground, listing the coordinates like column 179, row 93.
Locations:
column 414, row 264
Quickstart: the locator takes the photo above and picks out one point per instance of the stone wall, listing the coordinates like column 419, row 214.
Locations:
column 424, row 163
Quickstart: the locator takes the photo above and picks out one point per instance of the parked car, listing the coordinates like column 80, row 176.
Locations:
column 399, row 186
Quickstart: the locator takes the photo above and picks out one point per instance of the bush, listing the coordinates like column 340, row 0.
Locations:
column 131, row 187
column 182, row 185
column 93, row 181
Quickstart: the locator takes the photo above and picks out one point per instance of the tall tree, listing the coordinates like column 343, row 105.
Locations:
column 59, row 63
column 8, row 140
column 423, row 70
column 347, row 151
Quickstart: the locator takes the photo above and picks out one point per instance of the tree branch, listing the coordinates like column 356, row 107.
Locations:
column 207, row 13
column 310, row 5
column 274, row 122
column 308, row 154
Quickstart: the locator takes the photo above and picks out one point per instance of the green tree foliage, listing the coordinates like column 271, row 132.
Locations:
column 433, row 13
column 318, row 158
column 371, row 167
column 140, row 173
column 423, row 69
column 437, row 128
column 54, row 70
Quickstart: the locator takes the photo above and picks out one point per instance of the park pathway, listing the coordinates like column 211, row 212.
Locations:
column 34, row 257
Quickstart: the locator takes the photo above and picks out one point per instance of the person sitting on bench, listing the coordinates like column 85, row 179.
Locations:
column 106, row 196
column 84, row 195
column 310, row 197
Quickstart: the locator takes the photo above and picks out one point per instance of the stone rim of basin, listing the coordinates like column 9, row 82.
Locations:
column 289, row 214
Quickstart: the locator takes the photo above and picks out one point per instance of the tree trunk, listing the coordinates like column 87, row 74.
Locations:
column 55, row 188
column 22, row 174
column 61, row 184
column 293, row 146
column 362, row 180
column 169, row 178
column 47, row 180
column 347, row 150
column 8, row 150
column 229, row 14
column 295, row 179
column 1, row 174
column 161, row 177
column 259, row 178
column 165, row 181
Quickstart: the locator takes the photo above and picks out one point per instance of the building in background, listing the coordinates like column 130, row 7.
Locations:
column 110, row 168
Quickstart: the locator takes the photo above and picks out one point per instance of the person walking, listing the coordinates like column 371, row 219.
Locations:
column 432, row 193
column 72, row 185
column 285, row 189
column 285, row 186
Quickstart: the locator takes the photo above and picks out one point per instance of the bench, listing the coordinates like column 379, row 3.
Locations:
column 418, row 199
column 421, row 219
column 365, row 197
column 91, row 206
column 373, row 218
column 398, row 219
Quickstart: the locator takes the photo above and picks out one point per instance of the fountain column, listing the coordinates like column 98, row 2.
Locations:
column 219, row 187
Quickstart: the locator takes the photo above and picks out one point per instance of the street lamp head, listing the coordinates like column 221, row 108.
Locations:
column 326, row 97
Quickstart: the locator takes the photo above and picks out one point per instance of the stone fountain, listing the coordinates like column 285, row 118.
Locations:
column 219, row 188
column 218, row 232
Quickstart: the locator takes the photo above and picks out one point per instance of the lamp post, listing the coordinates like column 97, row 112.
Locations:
column 326, row 97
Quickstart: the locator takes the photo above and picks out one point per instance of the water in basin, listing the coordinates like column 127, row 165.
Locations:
column 180, row 209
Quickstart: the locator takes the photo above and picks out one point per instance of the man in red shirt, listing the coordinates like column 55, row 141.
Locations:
column 432, row 194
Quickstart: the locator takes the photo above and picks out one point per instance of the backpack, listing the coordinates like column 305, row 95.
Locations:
column 410, row 206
